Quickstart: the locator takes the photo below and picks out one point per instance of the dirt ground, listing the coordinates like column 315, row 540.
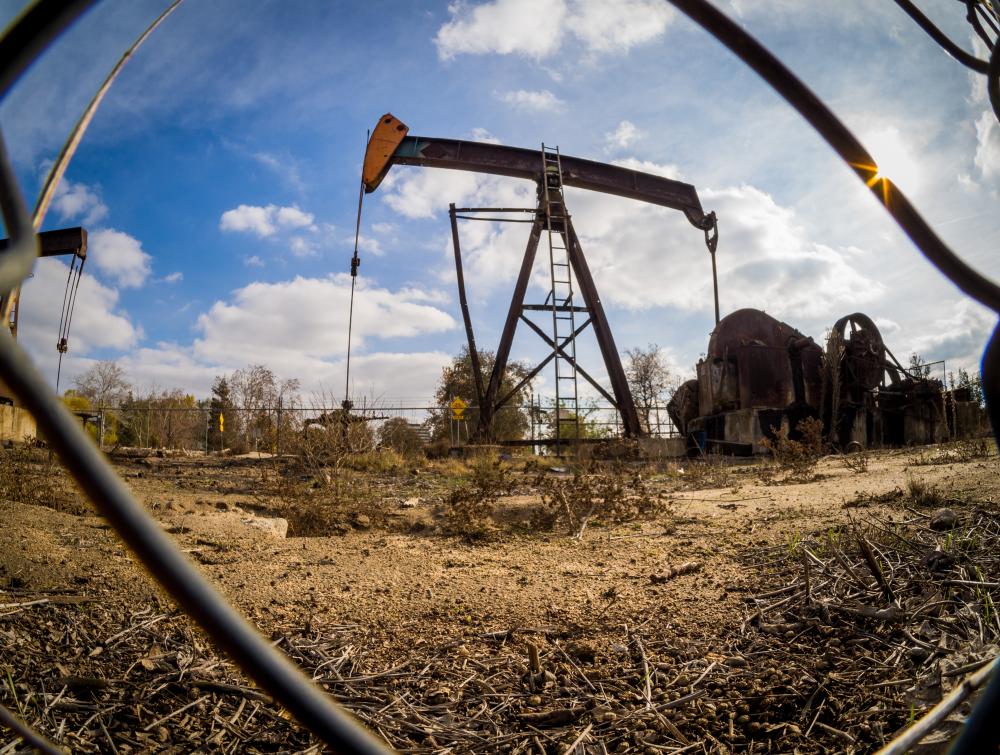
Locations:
column 624, row 620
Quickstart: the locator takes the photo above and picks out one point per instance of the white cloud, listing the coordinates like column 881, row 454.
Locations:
column 667, row 170
column 265, row 221
column 537, row 28
column 525, row 27
column 301, row 247
column 479, row 134
column 492, row 251
column 253, row 261
column 846, row 13
column 537, row 101
column 606, row 27
column 170, row 365
column 176, row 277
column 622, row 137
column 77, row 201
column 958, row 339
column 383, row 228
column 987, row 157
column 368, row 245
column 646, row 256
column 293, row 217
column 119, row 256
column 306, row 318
column 424, row 193
column 250, row 219
column 96, row 322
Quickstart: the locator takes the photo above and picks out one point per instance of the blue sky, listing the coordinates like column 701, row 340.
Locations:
column 219, row 179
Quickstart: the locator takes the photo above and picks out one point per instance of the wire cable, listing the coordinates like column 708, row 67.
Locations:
column 355, row 262
column 275, row 674
column 845, row 144
column 35, row 28
column 68, row 308
column 971, row 61
column 28, row 734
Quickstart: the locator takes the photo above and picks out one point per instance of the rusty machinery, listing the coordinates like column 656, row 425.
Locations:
column 390, row 144
column 870, row 399
column 757, row 371
column 761, row 374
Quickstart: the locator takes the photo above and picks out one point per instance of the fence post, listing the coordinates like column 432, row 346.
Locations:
column 277, row 445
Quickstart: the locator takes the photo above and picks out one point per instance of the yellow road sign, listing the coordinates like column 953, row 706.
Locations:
column 222, row 423
column 458, row 407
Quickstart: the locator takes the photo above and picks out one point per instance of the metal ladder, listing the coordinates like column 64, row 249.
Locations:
column 560, row 299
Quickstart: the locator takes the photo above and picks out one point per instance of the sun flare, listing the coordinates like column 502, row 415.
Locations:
column 893, row 158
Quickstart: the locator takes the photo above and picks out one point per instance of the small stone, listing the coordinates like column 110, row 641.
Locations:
column 276, row 527
column 944, row 519
column 410, row 503
column 362, row 521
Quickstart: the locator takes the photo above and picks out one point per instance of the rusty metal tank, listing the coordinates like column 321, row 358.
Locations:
column 756, row 361
column 683, row 405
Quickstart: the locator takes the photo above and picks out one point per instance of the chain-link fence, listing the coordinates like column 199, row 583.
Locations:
column 200, row 427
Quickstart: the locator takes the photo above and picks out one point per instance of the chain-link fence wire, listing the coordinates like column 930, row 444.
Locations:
column 275, row 428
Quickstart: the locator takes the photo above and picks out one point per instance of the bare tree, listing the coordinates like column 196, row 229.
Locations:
column 649, row 379
column 257, row 394
column 104, row 384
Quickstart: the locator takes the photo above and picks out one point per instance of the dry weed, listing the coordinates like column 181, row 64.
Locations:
column 797, row 459
column 611, row 496
column 26, row 477
column 959, row 452
column 858, row 460
column 922, row 493
column 470, row 508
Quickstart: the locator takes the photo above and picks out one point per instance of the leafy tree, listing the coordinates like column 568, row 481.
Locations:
column 510, row 423
column 918, row 367
column 104, row 384
column 649, row 378
column 972, row 382
column 76, row 402
column 571, row 424
column 222, row 403
column 400, row 436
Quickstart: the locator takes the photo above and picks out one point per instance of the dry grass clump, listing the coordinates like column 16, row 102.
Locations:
column 796, row 459
column 857, row 460
column 27, row 477
column 611, row 496
column 707, row 473
column 959, row 452
column 922, row 493
column 470, row 509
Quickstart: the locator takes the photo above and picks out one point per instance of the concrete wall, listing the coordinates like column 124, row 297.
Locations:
column 16, row 425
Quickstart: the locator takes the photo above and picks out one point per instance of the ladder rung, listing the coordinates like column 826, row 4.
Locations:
column 549, row 308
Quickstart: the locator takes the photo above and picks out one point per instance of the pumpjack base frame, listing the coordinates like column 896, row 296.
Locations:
column 488, row 397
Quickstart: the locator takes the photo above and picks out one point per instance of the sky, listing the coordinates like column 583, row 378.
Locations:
column 219, row 181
